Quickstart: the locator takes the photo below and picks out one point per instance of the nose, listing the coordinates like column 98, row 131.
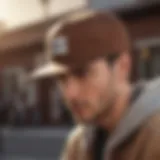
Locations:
column 72, row 89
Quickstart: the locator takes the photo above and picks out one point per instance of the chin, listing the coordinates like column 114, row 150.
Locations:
column 84, row 120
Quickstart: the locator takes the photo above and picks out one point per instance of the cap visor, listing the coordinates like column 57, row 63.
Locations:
column 48, row 70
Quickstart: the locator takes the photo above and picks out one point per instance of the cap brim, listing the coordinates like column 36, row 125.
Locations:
column 48, row 70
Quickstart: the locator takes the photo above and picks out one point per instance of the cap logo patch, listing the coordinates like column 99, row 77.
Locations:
column 60, row 46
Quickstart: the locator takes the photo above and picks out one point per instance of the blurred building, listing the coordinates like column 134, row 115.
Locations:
column 22, row 49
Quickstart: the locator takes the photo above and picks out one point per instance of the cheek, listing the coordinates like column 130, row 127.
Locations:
column 98, row 84
column 96, row 89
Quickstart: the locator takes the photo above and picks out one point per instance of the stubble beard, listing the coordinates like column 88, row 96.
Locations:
column 107, row 107
column 106, row 111
column 103, row 114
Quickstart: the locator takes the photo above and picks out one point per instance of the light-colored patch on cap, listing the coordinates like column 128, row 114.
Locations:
column 60, row 46
column 50, row 36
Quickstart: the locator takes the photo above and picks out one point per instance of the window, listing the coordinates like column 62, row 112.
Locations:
column 17, row 95
column 149, row 59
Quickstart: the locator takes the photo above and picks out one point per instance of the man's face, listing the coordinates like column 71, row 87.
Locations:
column 90, row 92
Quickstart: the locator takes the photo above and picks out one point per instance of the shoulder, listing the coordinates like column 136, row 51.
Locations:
column 153, row 124
column 151, row 130
column 73, row 143
column 76, row 134
column 151, row 127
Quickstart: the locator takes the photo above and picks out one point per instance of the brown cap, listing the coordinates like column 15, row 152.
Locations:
column 80, row 37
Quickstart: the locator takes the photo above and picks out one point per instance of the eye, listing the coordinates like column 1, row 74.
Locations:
column 80, row 72
column 62, row 79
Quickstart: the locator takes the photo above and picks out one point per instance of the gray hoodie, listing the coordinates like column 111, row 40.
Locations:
column 146, row 105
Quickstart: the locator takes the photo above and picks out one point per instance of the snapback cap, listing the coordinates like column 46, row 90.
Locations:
column 79, row 38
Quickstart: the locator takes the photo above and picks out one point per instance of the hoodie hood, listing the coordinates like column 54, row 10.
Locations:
column 146, row 105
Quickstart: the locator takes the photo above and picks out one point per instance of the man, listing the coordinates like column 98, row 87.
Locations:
column 116, row 120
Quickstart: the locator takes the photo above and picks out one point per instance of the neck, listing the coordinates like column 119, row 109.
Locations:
column 110, row 121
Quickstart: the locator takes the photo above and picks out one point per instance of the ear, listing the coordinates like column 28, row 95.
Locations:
column 123, row 66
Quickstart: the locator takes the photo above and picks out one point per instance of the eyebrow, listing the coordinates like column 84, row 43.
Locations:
column 79, row 71
column 111, row 58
